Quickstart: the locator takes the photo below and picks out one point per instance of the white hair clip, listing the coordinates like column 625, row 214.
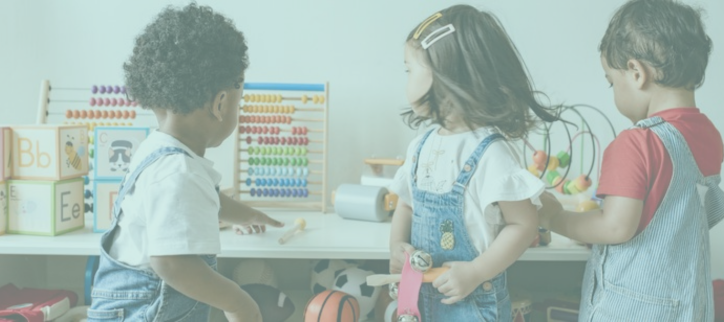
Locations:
column 437, row 35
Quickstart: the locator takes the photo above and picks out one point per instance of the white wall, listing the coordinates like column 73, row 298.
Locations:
column 356, row 46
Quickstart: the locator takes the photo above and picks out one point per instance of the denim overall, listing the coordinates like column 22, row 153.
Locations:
column 490, row 300
column 124, row 293
column 662, row 274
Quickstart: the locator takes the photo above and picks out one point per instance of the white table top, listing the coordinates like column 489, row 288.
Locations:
column 325, row 236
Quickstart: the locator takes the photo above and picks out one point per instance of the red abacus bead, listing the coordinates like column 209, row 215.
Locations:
column 260, row 140
column 297, row 141
column 277, row 118
column 83, row 114
column 111, row 114
column 253, row 130
column 294, row 130
column 276, row 130
column 289, row 119
column 114, row 102
column 68, row 114
column 306, row 141
column 253, row 118
column 121, row 102
column 274, row 140
column 134, row 103
column 97, row 114
column 266, row 129
column 104, row 114
column 99, row 102
column 125, row 114
column 92, row 101
column 284, row 141
column 247, row 129
column 107, row 102
column 304, row 130
column 248, row 140
column 241, row 129
column 133, row 114
column 91, row 115
column 75, row 114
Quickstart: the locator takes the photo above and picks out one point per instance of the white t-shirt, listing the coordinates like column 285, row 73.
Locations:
column 174, row 208
column 499, row 176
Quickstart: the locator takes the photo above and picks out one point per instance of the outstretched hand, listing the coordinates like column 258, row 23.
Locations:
column 256, row 223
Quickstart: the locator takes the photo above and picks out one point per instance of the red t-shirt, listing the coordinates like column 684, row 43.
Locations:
column 636, row 164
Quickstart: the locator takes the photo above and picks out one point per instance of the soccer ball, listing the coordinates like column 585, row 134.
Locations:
column 324, row 272
column 353, row 282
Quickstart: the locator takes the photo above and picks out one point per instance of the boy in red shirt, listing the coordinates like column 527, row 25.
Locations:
column 659, row 179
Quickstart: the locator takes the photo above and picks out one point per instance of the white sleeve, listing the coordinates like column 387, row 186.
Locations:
column 401, row 184
column 505, row 179
column 182, row 212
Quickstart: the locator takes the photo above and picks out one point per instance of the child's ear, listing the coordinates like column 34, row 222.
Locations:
column 638, row 73
column 218, row 105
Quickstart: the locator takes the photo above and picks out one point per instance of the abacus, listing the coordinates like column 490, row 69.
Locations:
column 95, row 105
column 280, row 152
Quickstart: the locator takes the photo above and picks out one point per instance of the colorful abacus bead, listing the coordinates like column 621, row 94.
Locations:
column 582, row 183
column 552, row 163
column 539, row 158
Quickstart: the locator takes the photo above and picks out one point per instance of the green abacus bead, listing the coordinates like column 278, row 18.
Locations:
column 564, row 159
column 304, row 150
column 278, row 151
column 251, row 161
column 305, row 162
column 288, row 150
column 278, row 161
column 286, row 161
column 294, row 161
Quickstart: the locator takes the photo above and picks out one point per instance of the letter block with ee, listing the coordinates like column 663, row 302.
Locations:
column 45, row 207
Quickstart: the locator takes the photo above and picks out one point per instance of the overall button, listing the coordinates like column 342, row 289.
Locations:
column 467, row 168
column 487, row 286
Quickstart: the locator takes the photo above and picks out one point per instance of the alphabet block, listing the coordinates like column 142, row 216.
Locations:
column 105, row 193
column 6, row 137
column 114, row 147
column 3, row 207
column 45, row 207
column 50, row 152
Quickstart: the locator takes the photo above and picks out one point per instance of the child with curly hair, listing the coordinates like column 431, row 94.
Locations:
column 158, row 259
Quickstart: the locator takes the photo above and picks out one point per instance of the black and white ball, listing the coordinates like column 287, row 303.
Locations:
column 353, row 281
column 324, row 272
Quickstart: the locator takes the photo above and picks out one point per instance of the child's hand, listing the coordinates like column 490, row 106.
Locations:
column 458, row 282
column 551, row 207
column 397, row 256
column 246, row 311
column 240, row 317
column 257, row 222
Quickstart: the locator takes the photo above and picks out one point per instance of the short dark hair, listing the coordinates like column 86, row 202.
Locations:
column 666, row 35
column 184, row 57
column 478, row 69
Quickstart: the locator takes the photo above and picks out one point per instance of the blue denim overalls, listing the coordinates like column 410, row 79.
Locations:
column 440, row 216
column 662, row 274
column 124, row 293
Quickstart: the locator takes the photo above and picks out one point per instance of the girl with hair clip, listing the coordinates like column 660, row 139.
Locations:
column 464, row 197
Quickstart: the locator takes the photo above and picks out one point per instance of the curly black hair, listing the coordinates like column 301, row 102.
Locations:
column 666, row 34
column 183, row 58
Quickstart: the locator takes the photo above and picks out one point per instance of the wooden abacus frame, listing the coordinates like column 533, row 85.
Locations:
column 120, row 109
column 265, row 98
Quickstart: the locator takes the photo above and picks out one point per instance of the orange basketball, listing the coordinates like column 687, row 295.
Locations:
column 332, row 306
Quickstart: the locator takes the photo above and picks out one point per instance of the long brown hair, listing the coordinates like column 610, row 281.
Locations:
column 478, row 71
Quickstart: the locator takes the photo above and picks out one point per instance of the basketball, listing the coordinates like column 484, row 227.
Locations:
column 332, row 306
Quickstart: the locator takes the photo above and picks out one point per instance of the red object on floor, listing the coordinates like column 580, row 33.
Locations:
column 32, row 305
column 719, row 300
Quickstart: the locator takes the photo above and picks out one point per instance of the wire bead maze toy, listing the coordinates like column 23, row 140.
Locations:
column 554, row 169
column 280, row 153
column 95, row 105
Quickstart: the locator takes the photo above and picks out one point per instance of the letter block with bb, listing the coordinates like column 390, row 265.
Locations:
column 49, row 152
column 6, row 145
column 45, row 207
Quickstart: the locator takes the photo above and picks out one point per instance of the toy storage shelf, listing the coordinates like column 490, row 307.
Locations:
column 326, row 236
